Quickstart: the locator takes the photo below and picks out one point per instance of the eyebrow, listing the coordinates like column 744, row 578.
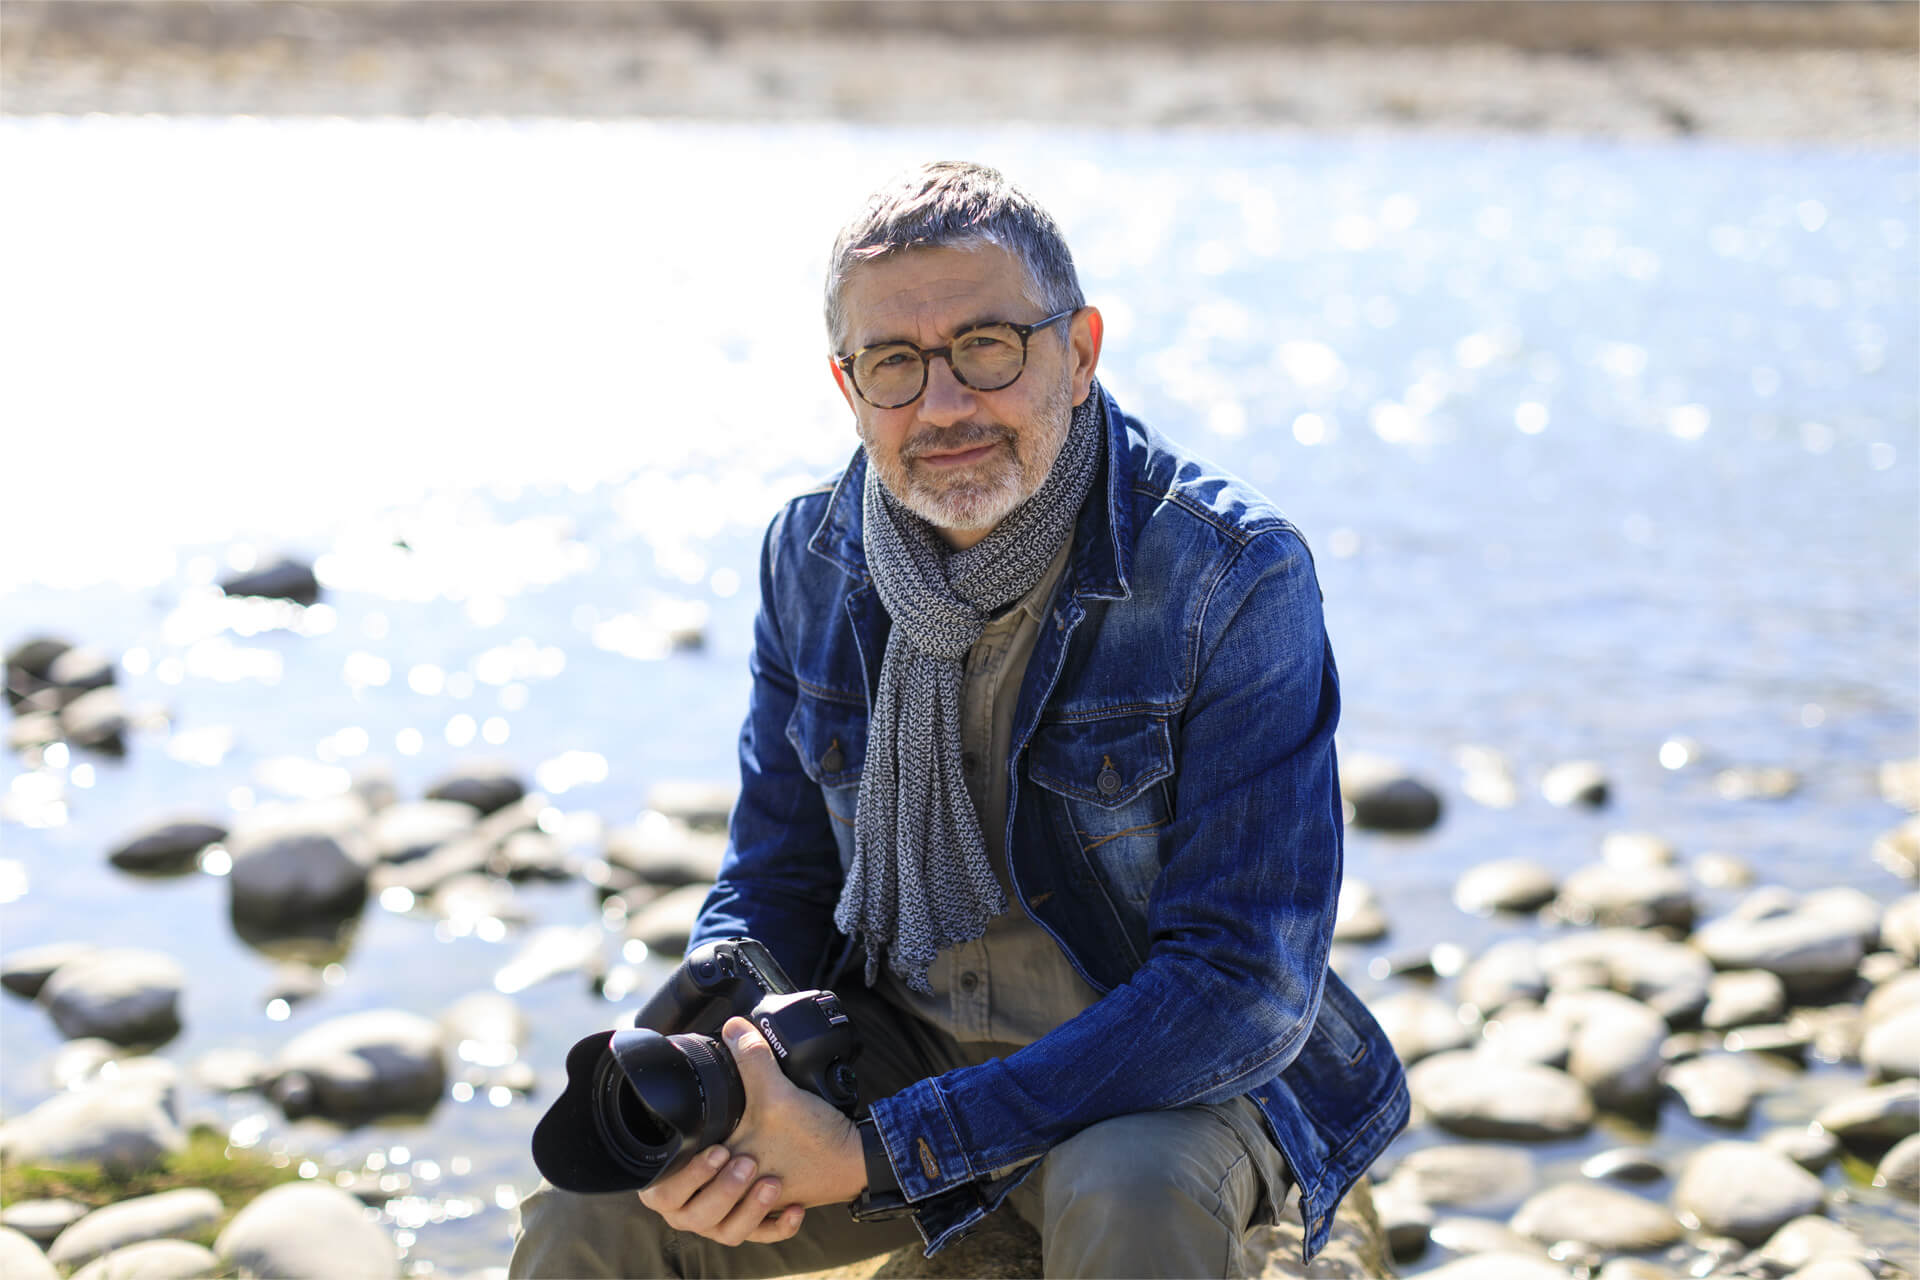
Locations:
column 969, row 325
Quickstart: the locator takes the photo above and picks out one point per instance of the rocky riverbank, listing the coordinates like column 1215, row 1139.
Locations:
column 1642, row 991
column 1830, row 72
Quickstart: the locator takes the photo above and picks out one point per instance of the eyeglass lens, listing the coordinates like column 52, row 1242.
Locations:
column 986, row 359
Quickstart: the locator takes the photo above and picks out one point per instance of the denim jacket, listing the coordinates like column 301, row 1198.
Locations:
column 1173, row 821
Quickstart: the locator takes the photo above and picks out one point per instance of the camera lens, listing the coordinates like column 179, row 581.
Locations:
column 656, row 1100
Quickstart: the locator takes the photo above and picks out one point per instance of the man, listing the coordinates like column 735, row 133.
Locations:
column 1038, row 775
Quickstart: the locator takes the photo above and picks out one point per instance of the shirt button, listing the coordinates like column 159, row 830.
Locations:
column 1108, row 782
column 969, row 981
column 833, row 761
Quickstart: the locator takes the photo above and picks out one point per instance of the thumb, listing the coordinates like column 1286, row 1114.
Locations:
column 751, row 1053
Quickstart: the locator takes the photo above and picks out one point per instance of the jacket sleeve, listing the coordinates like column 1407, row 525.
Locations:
column 780, row 877
column 1240, row 919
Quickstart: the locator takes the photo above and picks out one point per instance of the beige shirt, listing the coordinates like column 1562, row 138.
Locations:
column 1012, row 985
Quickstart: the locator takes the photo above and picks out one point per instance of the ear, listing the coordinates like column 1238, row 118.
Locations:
column 840, row 381
column 1084, row 335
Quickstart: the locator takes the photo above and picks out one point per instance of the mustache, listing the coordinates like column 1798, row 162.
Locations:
column 961, row 435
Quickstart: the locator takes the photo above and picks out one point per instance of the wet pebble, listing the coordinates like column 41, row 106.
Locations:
column 307, row 1228
column 1808, row 1240
column 168, row 1214
column 122, row 1129
column 1717, row 1089
column 21, row 1258
column 1598, row 1216
column 705, row 805
column 167, row 847
column 1526, row 1032
column 25, row 971
column 1810, row 953
column 1625, row 1164
column 1479, row 1097
column 153, row 1260
column 1744, row 1190
column 1383, row 795
column 1507, row 884
column 1637, row 851
column 1420, row 1025
column 361, row 1064
column 1603, row 894
column 486, row 785
column 1358, row 916
column 1575, row 782
column 1809, row 1146
column 1743, row 996
column 98, row 720
column 1469, row 1177
column 1872, row 1118
column 1899, row 1169
column 1890, row 1049
column 1616, row 1045
column 1405, row 1218
column 297, row 865
column 1721, row 871
column 280, row 578
column 125, row 995
column 42, row 1220
column 1503, row 973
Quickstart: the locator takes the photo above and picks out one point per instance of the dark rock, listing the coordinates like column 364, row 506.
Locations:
column 1576, row 782
column 25, row 971
column 1381, row 795
column 96, row 719
column 123, row 995
column 303, row 868
column 1625, row 1164
column 167, row 847
column 377, row 1062
column 281, row 579
column 485, row 786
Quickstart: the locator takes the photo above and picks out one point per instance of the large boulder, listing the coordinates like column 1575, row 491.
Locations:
column 307, row 1229
column 124, row 995
column 366, row 1064
column 1477, row 1096
column 1744, row 1190
column 168, row 1214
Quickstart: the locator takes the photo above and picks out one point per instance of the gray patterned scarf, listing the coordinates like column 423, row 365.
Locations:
column 920, row 878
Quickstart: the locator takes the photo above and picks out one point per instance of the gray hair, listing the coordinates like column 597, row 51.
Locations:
column 954, row 204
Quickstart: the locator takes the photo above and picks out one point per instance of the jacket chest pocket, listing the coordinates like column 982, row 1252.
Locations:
column 830, row 738
column 1103, row 783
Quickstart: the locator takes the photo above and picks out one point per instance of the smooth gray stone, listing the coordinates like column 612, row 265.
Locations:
column 1506, row 884
column 1901, row 991
column 1499, row 1266
column 1898, row 850
column 97, row 719
column 124, row 995
column 1625, row 1164
column 1900, row 926
column 100, row 1124
column 1673, row 980
column 25, row 971
column 1717, row 1089
column 1478, row 1097
column 376, row 1062
column 1464, row 1235
column 21, row 1259
column 167, row 847
column 230, row 1070
column 1744, row 1190
column 1847, row 906
column 1505, row 972
column 1616, row 1045
column 1602, row 894
column 168, row 1214
column 288, row 874
column 282, row 578
column 1765, row 903
column 403, row 832
column 1528, row 1033
column 1899, row 1169
column 1891, row 1047
column 1873, row 1117
column 153, row 1260
column 534, row 855
column 1811, row 1147
column 1358, row 915
column 706, row 805
column 1789, row 1039
column 1721, row 871
column 1404, row 1217
column 486, row 785
column 666, row 923
column 1634, row 1269
column 307, row 1229
column 422, row 877
column 42, row 1220
column 1588, row 1213
column 1810, row 1239
column 1575, row 782
column 1420, row 1025
column 1383, row 795
column 1809, row 953
column 1469, row 1177
column 665, row 852
column 1637, row 851
column 1742, row 997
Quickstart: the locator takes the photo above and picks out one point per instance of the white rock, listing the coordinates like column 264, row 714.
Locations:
column 1499, row 1266
column 362, row 1064
column 1637, row 851
column 21, row 1259
column 168, row 1214
column 1507, row 884
column 1581, row 782
column 1873, row 1117
column 1358, row 915
column 124, row 995
column 1811, row 1239
column 1849, row 907
column 1507, row 971
column 1891, row 1047
column 101, row 1124
column 1616, row 1045
column 307, row 1229
column 25, row 971
column 550, row 952
column 1744, row 1190
column 1742, row 997
column 403, row 832
column 699, row 804
column 1900, row 928
column 666, row 852
column 42, row 1220
column 1480, row 1097
column 1461, row 1234
column 1719, row 1088
column 1527, row 1033
column 1891, row 996
column 1469, row 1176
column 1591, row 1214
column 153, row 1260
column 666, row 923
column 1419, row 1025
column 1899, row 1169
column 1809, row 953
column 1601, row 893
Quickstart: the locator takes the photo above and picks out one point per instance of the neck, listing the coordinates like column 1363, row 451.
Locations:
column 961, row 539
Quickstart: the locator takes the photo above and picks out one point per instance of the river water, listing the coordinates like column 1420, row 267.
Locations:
column 1597, row 446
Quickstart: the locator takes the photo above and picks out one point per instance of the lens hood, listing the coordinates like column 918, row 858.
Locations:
column 637, row 1106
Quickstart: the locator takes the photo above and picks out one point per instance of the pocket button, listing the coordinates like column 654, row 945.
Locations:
column 833, row 761
column 1108, row 782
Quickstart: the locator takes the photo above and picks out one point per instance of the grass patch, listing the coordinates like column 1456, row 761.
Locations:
column 235, row 1175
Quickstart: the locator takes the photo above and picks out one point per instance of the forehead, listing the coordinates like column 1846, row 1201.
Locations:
column 926, row 295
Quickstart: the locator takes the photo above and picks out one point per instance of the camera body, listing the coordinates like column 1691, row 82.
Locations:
column 641, row 1101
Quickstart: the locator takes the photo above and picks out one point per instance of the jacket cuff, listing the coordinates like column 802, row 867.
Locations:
column 921, row 1140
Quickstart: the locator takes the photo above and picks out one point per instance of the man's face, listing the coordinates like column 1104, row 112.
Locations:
column 962, row 459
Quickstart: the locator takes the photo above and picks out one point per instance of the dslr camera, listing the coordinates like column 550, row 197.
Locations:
column 642, row 1100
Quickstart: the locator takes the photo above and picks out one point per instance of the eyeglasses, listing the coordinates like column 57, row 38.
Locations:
column 987, row 357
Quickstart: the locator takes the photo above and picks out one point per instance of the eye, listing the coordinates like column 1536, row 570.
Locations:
column 986, row 341
column 892, row 359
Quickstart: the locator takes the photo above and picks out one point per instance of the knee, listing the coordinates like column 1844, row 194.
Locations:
column 563, row 1234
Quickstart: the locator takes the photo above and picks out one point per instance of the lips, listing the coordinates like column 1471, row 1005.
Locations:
column 960, row 458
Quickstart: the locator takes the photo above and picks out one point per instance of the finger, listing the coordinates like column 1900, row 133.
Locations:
column 670, row 1193
column 713, row 1203
column 752, row 1054
column 776, row 1227
column 749, row 1215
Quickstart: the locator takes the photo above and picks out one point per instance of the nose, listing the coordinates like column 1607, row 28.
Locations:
column 946, row 400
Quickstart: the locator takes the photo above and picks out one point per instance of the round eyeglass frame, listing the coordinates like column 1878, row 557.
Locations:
column 926, row 354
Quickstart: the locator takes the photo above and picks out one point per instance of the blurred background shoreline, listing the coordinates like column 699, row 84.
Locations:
column 1832, row 72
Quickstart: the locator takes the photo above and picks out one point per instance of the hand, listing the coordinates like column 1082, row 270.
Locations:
column 808, row 1152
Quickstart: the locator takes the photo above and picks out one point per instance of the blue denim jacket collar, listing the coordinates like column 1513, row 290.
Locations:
column 1103, row 537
